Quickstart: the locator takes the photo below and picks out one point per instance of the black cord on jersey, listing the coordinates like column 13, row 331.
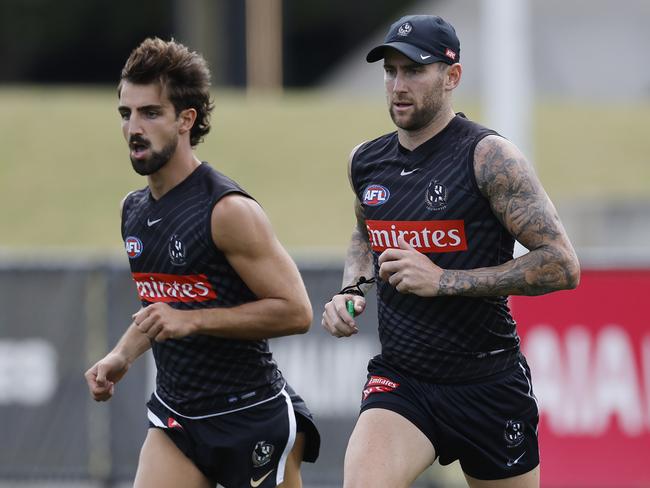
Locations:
column 356, row 288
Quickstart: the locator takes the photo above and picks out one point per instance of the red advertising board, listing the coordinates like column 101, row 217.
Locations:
column 589, row 352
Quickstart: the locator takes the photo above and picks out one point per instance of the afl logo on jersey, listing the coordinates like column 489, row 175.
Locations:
column 133, row 247
column 375, row 195
column 176, row 251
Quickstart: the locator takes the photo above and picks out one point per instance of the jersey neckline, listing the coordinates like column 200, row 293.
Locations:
column 188, row 179
column 430, row 144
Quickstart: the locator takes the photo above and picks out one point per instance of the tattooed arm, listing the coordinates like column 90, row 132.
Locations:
column 358, row 263
column 358, row 260
column 520, row 203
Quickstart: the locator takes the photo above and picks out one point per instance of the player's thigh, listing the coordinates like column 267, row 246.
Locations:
column 292, row 478
column 385, row 450
column 163, row 465
column 526, row 480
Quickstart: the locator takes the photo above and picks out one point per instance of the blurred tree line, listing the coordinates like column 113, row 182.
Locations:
column 87, row 41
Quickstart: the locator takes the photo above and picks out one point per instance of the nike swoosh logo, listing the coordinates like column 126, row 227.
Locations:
column 423, row 57
column 404, row 172
column 152, row 222
column 512, row 463
column 256, row 483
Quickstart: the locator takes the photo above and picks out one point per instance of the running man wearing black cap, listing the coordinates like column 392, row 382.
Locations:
column 439, row 205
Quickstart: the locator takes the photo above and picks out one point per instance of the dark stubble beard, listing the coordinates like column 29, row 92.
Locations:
column 423, row 115
column 157, row 160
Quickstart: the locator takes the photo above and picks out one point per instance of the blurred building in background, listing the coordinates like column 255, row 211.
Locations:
column 576, row 49
column 74, row 41
column 583, row 49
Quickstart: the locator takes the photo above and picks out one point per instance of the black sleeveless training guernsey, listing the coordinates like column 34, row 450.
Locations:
column 430, row 196
column 174, row 260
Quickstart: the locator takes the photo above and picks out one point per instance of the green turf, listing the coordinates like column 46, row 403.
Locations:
column 64, row 166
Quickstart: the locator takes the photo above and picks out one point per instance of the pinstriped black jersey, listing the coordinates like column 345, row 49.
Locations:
column 430, row 197
column 174, row 260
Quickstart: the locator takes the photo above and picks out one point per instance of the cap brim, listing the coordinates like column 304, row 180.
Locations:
column 414, row 53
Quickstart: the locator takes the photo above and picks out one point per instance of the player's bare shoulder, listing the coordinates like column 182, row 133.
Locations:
column 505, row 177
column 237, row 220
column 497, row 160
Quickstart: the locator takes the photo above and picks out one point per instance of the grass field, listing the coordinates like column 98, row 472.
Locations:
column 64, row 166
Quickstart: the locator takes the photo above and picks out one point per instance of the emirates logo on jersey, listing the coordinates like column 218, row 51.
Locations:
column 160, row 287
column 378, row 384
column 427, row 236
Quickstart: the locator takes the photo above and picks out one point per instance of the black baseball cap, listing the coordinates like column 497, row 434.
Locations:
column 424, row 39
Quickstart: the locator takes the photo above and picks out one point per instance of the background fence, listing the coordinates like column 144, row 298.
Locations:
column 57, row 319
column 589, row 351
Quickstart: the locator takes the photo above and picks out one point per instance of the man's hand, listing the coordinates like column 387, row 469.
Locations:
column 160, row 322
column 336, row 318
column 103, row 375
column 409, row 271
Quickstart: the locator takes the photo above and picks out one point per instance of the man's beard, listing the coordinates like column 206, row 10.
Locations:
column 421, row 116
column 156, row 161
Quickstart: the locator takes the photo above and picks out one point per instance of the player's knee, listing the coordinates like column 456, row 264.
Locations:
column 292, row 480
column 359, row 473
column 372, row 479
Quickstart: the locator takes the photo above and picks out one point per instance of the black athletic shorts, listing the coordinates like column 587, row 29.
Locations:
column 241, row 448
column 489, row 425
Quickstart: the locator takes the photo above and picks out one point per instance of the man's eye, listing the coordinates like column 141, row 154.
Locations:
column 124, row 115
column 152, row 114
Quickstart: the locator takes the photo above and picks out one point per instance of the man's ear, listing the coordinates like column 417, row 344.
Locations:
column 186, row 118
column 454, row 74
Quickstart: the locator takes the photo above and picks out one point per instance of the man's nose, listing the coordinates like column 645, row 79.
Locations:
column 134, row 125
column 399, row 84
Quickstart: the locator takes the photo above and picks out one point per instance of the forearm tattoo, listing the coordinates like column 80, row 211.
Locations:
column 522, row 206
column 358, row 260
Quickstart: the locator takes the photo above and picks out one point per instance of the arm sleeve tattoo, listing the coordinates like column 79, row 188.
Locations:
column 520, row 203
column 358, row 260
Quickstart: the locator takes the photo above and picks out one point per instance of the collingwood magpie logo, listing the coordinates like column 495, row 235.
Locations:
column 262, row 453
column 436, row 195
column 405, row 29
column 177, row 251
column 514, row 433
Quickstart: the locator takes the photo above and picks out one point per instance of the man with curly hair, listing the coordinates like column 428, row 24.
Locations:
column 215, row 283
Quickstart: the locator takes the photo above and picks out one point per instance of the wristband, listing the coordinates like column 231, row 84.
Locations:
column 356, row 288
